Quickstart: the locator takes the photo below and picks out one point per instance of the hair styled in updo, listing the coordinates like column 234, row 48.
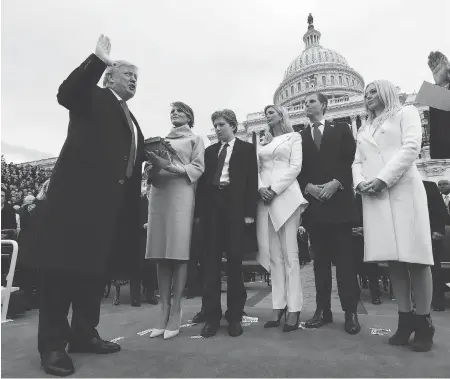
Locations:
column 229, row 116
column 187, row 110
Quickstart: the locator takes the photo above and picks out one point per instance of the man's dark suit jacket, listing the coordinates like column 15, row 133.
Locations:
column 78, row 227
column 439, row 134
column 243, row 172
column 333, row 161
column 436, row 207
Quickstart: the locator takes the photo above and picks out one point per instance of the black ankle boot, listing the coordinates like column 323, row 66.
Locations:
column 424, row 332
column 404, row 330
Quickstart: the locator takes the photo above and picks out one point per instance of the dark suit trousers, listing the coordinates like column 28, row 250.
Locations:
column 436, row 270
column 221, row 240
column 333, row 243
column 195, row 276
column 58, row 290
column 370, row 270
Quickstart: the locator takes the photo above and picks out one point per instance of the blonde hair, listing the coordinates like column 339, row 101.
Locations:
column 388, row 95
column 286, row 126
column 111, row 70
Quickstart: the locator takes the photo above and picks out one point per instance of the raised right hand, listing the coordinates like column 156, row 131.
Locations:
column 103, row 49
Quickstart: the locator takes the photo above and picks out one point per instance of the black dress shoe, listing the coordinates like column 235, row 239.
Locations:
column 235, row 329
column 210, row 329
column 95, row 345
column 199, row 318
column 376, row 300
column 135, row 303
column 57, row 363
column 151, row 298
column 320, row 318
column 351, row 323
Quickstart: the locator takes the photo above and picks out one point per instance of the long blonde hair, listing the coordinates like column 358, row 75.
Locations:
column 286, row 126
column 388, row 95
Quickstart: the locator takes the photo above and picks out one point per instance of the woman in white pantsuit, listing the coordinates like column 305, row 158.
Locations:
column 278, row 217
column 396, row 221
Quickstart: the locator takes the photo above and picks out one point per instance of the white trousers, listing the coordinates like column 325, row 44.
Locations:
column 285, row 265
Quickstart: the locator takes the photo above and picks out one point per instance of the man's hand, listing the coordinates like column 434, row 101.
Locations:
column 437, row 236
column 329, row 189
column 374, row 187
column 103, row 49
column 315, row 190
column 440, row 67
column 249, row 220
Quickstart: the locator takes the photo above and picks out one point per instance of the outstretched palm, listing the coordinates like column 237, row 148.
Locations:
column 103, row 49
column 440, row 67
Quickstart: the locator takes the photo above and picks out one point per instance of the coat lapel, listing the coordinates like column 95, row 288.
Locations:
column 368, row 135
column 280, row 140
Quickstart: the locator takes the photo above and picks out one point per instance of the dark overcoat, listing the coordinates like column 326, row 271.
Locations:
column 333, row 161
column 90, row 221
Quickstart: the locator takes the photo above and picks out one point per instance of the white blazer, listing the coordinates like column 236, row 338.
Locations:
column 280, row 162
column 396, row 222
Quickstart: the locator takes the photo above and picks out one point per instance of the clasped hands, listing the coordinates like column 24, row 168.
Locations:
column 267, row 194
column 372, row 187
column 323, row 192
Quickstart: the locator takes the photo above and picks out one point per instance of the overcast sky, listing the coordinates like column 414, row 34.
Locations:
column 210, row 54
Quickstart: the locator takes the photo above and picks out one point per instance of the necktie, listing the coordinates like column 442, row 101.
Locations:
column 132, row 155
column 220, row 163
column 317, row 134
column 447, row 202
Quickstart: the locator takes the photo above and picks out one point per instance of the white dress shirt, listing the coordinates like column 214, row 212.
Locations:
column 446, row 201
column 134, row 126
column 225, row 177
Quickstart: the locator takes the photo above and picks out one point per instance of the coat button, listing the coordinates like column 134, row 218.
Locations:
column 125, row 157
column 121, row 181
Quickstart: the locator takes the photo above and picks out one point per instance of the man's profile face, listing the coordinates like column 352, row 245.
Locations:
column 444, row 186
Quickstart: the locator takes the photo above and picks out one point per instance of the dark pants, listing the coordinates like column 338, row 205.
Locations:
column 221, row 233
column 368, row 270
column 195, row 275
column 333, row 243
column 58, row 290
column 436, row 270
column 149, row 276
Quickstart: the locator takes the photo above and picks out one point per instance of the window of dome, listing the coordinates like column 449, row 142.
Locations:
column 353, row 82
column 292, row 90
column 348, row 80
column 287, row 95
column 340, row 80
column 324, row 80
column 299, row 86
column 332, row 80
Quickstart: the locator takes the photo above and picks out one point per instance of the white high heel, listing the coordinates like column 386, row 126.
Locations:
column 172, row 333
column 159, row 332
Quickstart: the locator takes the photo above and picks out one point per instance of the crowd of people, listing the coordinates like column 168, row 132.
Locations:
column 232, row 192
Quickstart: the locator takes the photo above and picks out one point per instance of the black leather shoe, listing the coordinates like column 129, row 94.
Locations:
column 320, row 318
column 210, row 329
column 57, row 363
column 235, row 329
column 199, row 318
column 376, row 300
column 95, row 345
column 351, row 323
column 151, row 298
column 135, row 303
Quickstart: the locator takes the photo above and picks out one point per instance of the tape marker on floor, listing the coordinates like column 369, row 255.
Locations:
column 144, row 332
column 117, row 339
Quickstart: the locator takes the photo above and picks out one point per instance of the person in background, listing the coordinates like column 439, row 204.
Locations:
column 396, row 221
column 439, row 119
column 173, row 181
column 438, row 217
column 278, row 216
column 444, row 189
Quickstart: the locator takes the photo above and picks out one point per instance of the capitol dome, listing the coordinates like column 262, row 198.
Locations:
column 317, row 68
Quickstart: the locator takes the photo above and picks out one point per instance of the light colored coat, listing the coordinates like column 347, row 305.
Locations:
column 396, row 222
column 280, row 162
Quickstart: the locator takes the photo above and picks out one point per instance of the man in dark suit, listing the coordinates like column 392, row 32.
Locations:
column 226, row 202
column 327, row 183
column 74, row 248
column 439, row 119
column 438, row 217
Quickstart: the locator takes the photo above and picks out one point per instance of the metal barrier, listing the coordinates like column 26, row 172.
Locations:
column 6, row 291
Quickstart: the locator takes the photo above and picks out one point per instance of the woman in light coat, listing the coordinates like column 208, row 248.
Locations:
column 396, row 222
column 171, row 213
column 278, row 217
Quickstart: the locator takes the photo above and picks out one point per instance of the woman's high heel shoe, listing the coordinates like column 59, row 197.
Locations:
column 275, row 324
column 172, row 333
column 159, row 332
column 290, row 328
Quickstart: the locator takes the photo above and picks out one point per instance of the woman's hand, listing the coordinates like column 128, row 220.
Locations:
column 374, row 187
column 158, row 161
column 266, row 194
